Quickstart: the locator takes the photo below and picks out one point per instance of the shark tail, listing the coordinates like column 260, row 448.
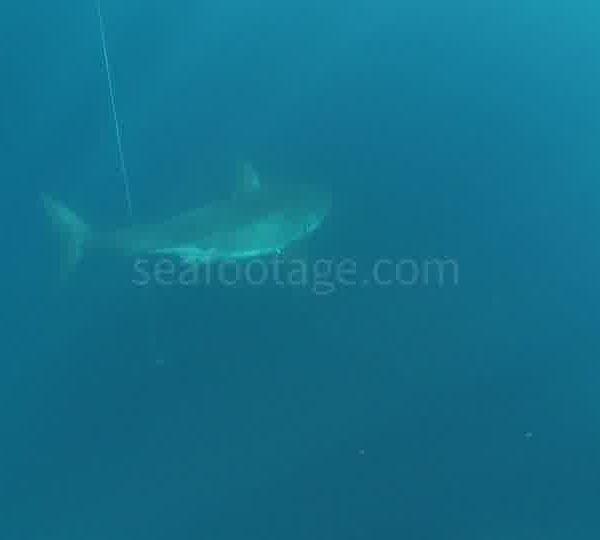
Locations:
column 73, row 233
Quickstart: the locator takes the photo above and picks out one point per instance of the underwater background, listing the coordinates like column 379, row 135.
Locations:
column 457, row 130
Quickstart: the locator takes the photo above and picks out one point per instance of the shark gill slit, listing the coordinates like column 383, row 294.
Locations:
column 151, row 322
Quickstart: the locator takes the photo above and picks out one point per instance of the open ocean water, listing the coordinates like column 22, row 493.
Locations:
column 462, row 136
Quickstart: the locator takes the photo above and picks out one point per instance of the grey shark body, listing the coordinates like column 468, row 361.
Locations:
column 255, row 221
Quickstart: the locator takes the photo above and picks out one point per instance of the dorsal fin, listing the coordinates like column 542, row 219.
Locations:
column 247, row 178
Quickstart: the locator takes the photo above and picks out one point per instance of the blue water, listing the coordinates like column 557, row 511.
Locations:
column 465, row 130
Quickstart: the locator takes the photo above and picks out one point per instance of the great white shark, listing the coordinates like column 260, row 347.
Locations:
column 255, row 221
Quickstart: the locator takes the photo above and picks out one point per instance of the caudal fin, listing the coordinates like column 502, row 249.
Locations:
column 72, row 231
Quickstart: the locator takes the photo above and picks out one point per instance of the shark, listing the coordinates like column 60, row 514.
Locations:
column 256, row 220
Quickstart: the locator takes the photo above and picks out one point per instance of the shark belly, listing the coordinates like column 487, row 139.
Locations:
column 255, row 240
column 188, row 254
